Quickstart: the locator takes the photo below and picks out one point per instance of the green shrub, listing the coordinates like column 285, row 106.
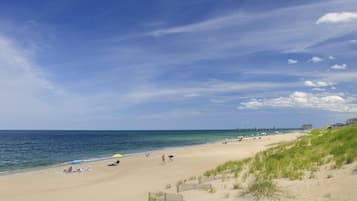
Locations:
column 152, row 199
column 236, row 186
column 261, row 189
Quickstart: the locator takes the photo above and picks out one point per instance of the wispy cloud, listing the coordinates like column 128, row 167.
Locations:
column 337, row 17
column 174, row 114
column 19, row 73
column 328, row 102
column 207, row 25
column 331, row 76
column 30, row 99
column 204, row 89
column 331, row 57
column 281, row 31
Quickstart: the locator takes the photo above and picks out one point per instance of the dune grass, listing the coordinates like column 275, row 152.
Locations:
column 292, row 160
column 151, row 199
column 261, row 189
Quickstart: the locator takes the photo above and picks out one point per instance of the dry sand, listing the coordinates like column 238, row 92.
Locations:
column 327, row 185
column 135, row 176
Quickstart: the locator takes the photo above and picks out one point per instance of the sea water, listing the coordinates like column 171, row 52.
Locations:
column 22, row 149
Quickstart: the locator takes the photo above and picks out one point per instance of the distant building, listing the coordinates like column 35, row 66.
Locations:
column 352, row 121
column 307, row 126
column 335, row 125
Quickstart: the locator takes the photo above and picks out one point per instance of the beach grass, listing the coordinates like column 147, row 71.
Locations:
column 237, row 186
column 294, row 160
column 261, row 189
column 305, row 155
column 151, row 199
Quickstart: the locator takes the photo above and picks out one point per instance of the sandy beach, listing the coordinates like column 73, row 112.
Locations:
column 133, row 178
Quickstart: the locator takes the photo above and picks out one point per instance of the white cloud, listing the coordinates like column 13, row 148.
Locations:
column 292, row 61
column 337, row 17
column 339, row 66
column 318, row 89
column 328, row 102
column 331, row 57
column 252, row 104
column 310, row 83
column 353, row 41
column 315, row 59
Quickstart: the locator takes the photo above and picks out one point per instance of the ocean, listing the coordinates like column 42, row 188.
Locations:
column 24, row 149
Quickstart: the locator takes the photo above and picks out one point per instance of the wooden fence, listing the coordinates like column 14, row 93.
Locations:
column 186, row 187
column 164, row 197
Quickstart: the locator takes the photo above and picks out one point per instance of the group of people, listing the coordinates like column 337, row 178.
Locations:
column 171, row 157
column 70, row 169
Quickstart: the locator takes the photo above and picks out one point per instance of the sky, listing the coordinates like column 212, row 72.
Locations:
column 177, row 64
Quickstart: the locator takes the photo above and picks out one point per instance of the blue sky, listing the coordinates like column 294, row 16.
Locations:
column 177, row 64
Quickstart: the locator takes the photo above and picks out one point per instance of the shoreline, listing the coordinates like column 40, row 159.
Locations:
column 130, row 155
column 134, row 177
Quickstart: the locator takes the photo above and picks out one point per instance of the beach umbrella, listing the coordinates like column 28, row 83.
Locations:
column 75, row 162
column 117, row 156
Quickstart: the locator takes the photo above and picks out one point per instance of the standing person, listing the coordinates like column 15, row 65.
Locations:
column 163, row 158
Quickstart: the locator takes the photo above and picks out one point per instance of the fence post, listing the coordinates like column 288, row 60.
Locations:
column 165, row 197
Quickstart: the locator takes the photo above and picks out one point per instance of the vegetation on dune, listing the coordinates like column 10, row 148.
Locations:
column 261, row 188
column 151, row 199
column 231, row 166
column 293, row 160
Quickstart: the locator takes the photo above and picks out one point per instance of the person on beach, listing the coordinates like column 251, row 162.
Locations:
column 163, row 158
column 80, row 170
column 114, row 164
column 69, row 170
